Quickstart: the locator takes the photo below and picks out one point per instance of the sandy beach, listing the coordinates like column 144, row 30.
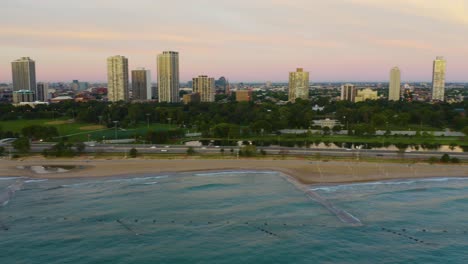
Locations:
column 305, row 171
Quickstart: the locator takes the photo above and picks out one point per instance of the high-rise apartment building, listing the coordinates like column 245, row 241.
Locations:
column 42, row 92
column 141, row 84
column 394, row 88
column 117, row 78
column 348, row 92
column 438, row 79
column 24, row 74
column 168, row 77
column 205, row 87
column 298, row 85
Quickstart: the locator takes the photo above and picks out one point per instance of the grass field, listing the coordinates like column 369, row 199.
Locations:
column 83, row 131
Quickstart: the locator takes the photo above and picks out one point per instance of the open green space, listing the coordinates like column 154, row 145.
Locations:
column 79, row 131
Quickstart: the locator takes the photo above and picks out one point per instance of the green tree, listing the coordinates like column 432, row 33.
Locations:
column 445, row 158
column 80, row 147
column 191, row 151
column 336, row 129
column 133, row 153
column 22, row 145
column 465, row 131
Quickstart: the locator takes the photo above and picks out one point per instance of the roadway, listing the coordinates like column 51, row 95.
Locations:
column 271, row 150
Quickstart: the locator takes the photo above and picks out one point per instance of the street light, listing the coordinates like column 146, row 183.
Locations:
column 147, row 120
column 115, row 128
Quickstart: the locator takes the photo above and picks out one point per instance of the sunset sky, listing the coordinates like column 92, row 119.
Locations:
column 244, row 40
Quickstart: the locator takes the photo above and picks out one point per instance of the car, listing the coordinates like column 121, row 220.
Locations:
column 163, row 150
column 203, row 148
column 216, row 146
column 167, row 147
column 152, row 147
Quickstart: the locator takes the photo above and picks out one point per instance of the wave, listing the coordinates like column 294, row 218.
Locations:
column 123, row 180
column 150, row 183
column 32, row 181
column 221, row 173
column 10, row 178
column 335, row 188
column 210, row 186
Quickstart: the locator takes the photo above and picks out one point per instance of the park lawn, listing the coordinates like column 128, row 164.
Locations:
column 110, row 133
column 76, row 131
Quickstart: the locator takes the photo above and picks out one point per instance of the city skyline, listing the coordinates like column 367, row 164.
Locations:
column 250, row 41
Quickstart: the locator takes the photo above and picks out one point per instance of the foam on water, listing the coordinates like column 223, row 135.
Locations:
column 33, row 181
column 334, row 188
column 232, row 173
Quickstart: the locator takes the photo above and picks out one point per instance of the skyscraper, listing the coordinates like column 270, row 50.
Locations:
column 298, row 85
column 141, row 84
column 24, row 74
column 168, row 76
column 42, row 92
column 205, row 87
column 117, row 78
column 438, row 79
column 394, row 88
column 221, row 85
column 348, row 92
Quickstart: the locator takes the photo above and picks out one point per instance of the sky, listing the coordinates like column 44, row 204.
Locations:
column 244, row 40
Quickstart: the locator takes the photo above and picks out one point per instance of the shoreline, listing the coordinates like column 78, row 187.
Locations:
column 304, row 171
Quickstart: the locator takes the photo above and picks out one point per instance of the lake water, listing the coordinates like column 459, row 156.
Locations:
column 232, row 217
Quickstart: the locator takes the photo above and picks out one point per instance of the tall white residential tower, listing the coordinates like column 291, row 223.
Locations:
column 117, row 78
column 438, row 79
column 205, row 87
column 298, row 85
column 168, row 76
column 394, row 89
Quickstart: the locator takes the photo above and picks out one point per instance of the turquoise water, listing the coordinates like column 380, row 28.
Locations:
column 232, row 217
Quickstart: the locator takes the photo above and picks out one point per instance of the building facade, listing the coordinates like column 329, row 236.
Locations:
column 22, row 96
column 24, row 74
column 298, row 85
column 366, row 94
column 205, row 86
column 141, row 84
column 243, row 95
column 42, row 92
column 438, row 79
column 394, row 88
column 168, row 77
column 191, row 98
column 348, row 92
column 117, row 78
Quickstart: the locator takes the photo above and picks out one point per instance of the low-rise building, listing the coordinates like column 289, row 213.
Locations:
column 191, row 98
column 327, row 123
column 243, row 95
column 23, row 96
column 366, row 94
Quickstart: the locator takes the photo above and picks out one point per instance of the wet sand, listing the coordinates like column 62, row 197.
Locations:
column 305, row 171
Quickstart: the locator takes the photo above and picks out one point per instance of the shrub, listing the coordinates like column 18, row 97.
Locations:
column 133, row 153
column 445, row 158
column 191, row 151
column 433, row 160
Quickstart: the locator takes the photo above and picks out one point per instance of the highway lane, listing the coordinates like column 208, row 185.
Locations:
column 271, row 150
